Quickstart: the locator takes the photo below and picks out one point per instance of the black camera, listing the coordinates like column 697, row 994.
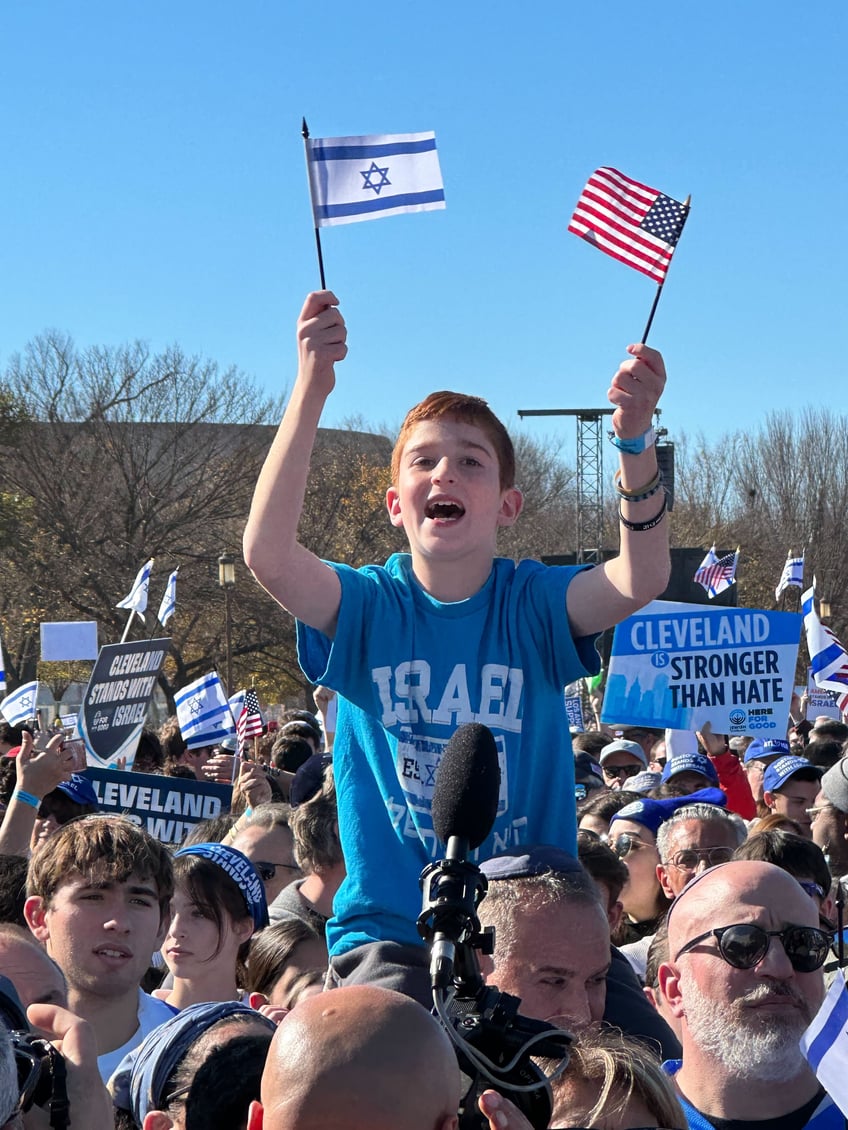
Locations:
column 41, row 1069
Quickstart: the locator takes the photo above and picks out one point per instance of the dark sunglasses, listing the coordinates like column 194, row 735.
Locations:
column 689, row 859
column 745, row 945
column 622, row 770
column 625, row 843
column 267, row 871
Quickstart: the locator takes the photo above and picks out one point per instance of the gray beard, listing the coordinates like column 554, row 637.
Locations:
column 748, row 1046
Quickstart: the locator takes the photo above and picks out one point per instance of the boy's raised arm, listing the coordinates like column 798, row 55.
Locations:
column 599, row 598
column 296, row 578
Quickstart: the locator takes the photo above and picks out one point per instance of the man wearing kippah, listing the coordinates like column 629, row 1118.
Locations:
column 744, row 978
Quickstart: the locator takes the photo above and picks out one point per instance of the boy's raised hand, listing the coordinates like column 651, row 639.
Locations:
column 635, row 391
column 321, row 335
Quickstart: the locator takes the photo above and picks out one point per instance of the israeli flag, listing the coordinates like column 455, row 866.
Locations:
column 136, row 598
column 203, row 713
column 19, row 706
column 828, row 658
column 169, row 601
column 825, row 1043
column 793, row 574
column 364, row 178
column 2, row 671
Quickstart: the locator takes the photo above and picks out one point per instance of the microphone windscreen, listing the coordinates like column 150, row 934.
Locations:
column 468, row 779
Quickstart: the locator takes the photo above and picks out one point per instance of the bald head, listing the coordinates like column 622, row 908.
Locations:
column 727, row 893
column 364, row 1058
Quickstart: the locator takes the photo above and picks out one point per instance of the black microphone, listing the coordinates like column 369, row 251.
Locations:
column 465, row 804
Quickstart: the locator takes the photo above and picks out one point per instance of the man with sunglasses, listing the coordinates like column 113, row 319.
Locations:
column 621, row 760
column 744, row 978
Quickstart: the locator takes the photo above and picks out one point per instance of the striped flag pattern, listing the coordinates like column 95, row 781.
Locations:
column 828, row 658
column 169, row 601
column 249, row 722
column 637, row 225
column 203, row 713
column 716, row 574
column 136, row 598
column 19, row 706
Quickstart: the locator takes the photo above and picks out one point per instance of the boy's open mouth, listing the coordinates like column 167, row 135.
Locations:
column 444, row 511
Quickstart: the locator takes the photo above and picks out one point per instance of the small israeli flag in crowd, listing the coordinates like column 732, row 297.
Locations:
column 169, row 601
column 793, row 574
column 136, row 598
column 2, row 671
column 203, row 713
column 828, row 658
column 364, row 178
column 19, row 706
column 825, row 1043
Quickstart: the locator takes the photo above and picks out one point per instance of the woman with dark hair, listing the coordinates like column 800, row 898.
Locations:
column 219, row 901
column 279, row 956
column 198, row 1071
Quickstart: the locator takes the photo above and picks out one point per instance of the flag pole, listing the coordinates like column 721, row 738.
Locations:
column 305, row 132
column 127, row 628
column 686, row 204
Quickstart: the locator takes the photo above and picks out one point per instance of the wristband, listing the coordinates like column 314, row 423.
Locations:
column 641, row 493
column 637, row 444
column 26, row 798
column 639, row 527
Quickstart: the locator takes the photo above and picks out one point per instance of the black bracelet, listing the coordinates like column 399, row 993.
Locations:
column 639, row 527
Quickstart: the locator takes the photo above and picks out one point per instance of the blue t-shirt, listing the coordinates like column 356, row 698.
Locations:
column 409, row 670
column 825, row 1115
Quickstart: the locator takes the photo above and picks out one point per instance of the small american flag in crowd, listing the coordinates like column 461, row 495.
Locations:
column 717, row 573
column 637, row 225
column 249, row 723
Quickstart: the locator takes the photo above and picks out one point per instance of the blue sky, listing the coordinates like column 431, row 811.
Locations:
column 154, row 187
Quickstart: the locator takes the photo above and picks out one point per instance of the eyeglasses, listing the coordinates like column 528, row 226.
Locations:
column 267, row 871
column 621, row 770
column 814, row 812
column 812, row 889
column 625, row 843
column 689, row 859
column 745, row 945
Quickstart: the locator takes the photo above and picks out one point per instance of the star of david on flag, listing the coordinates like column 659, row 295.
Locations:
column 364, row 178
column 136, row 598
column 203, row 713
column 169, row 601
column 793, row 574
column 19, row 706
column 637, row 225
column 828, row 658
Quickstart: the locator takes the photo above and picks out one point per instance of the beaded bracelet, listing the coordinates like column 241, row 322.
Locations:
column 639, row 527
column 641, row 493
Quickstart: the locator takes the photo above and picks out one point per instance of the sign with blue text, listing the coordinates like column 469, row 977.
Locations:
column 681, row 665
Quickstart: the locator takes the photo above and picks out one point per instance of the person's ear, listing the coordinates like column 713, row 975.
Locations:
column 254, row 1116
column 35, row 913
column 243, row 929
column 768, row 800
column 614, row 915
column 668, row 976
column 393, row 506
column 662, row 879
column 157, row 1120
column 512, row 502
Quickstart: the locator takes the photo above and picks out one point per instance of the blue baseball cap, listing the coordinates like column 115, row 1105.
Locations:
column 779, row 772
column 690, row 763
column 775, row 747
column 530, row 859
column 80, row 790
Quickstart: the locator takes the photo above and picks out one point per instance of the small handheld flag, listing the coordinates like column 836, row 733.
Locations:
column 825, row 1043
column 136, row 598
column 637, row 225
column 828, row 658
column 203, row 713
column 169, row 601
column 793, row 574
column 716, row 574
column 19, row 706
column 249, row 723
column 364, row 178
column 2, row 671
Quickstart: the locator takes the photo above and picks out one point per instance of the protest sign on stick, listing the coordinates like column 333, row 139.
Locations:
column 166, row 807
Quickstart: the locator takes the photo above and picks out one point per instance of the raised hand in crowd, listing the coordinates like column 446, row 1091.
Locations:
column 37, row 772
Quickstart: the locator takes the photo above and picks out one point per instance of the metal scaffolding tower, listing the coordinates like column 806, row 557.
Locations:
column 590, row 477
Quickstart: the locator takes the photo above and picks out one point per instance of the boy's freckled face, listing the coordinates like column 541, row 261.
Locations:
column 448, row 496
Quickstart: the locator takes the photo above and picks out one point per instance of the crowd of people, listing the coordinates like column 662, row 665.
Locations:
column 677, row 921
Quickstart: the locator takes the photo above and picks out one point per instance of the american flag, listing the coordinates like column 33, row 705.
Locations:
column 249, row 723
column 717, row 573
column 828, row 658
column 637, row 225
